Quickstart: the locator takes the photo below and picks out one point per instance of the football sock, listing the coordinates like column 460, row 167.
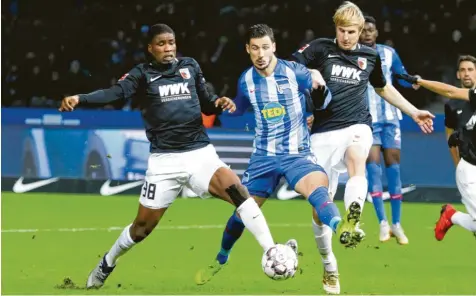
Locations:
column 326, row 210
column 255, row 222
column 233, row 231
column 395, row 190
column 374, row 173
column 123, row 243
column 355, row 190
column 464, row 220
column 323, row 237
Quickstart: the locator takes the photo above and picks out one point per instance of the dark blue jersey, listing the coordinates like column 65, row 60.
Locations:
column 171, row 99
column 347, row 75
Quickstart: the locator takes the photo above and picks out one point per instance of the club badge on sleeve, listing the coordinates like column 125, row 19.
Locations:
column 185, row 73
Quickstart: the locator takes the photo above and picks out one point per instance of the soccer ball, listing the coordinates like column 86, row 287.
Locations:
column 279, row 262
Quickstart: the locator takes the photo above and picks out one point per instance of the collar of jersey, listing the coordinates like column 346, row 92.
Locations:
column 165, row 69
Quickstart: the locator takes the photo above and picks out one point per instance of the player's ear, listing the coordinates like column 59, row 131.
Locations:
column 376, row 33
column 149, row 48
column 247, row 48
column 274, row 47
column 457, row 75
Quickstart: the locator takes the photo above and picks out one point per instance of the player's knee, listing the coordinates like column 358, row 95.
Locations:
column 238, row 194
column 391, row 156
column 140, row 230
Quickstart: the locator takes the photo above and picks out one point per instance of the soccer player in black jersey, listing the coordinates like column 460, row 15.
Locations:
column 172, row 94
column 463, row 120
column 341, row 133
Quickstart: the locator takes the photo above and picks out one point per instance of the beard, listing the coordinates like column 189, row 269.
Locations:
column 469, row 84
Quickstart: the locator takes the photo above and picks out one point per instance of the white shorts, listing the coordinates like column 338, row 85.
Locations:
column 330, row 148
column 466, row 182
column 168, row 173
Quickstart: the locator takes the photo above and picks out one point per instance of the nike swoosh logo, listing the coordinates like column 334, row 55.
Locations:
column 386, row 194
column 107, row 189
column 284, row 193
column 152, row 79
column 19, row 187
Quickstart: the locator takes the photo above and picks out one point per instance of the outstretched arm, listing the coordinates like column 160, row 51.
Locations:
column 444, row 89
column 125, row 87
column 440, row 88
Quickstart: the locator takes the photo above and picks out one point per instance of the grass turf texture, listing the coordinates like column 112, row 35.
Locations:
column 50, row 261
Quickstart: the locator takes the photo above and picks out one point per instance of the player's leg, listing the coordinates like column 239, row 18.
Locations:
column 359, row 141
column 374, row 176
column 324, row 147
column 233, row 230
column 307, row 178
column 310, row 180
column 213, row 176
column 465, row 173
column 391, row 153
column 260, row 179
column 158, row 192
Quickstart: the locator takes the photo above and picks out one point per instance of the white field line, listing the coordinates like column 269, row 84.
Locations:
column 117, row 228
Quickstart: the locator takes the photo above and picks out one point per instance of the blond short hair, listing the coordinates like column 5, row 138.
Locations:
column 349, row 14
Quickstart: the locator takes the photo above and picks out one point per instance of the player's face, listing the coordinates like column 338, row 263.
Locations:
column 261, row 51
column 163, row 48
column 467, row 74
column 369, row 34
column 347, row 37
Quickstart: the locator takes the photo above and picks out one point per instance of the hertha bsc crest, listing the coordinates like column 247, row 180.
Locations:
column 185, row 73
column 362, row 63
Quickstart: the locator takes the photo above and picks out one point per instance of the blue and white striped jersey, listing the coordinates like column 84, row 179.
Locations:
column 380, row 109
column 279, row 106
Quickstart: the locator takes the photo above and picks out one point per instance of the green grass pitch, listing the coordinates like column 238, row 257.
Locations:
column 37, row 261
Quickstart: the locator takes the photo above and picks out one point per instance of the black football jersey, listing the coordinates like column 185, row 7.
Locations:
column 171, row 99
column 470, row 127
column 347, row 74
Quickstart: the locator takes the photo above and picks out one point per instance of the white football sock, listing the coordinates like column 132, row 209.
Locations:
column 323, row 237
column 123, row 243
column 255, row 221
column 355, row 190
column 464, row 220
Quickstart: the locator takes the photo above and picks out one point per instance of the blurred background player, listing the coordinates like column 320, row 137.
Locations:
column 456, row 111
column 463, row 121
column 181, row 153
column 386, row 137
column 277, row 90
column 341, row 134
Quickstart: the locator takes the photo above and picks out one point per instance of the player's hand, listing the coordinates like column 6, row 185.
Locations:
column 68, row 103
column 317, row 79
column 424, row 119
column 413, row 79
column 416, row 86
column 226, row 104
column 310, row 121
column 453, row 140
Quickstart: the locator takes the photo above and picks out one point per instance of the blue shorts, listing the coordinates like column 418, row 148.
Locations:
column 264, row 172
column 387, row 134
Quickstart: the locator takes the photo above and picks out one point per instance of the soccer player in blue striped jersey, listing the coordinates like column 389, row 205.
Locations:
column 386, row 136
column 279, row 92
